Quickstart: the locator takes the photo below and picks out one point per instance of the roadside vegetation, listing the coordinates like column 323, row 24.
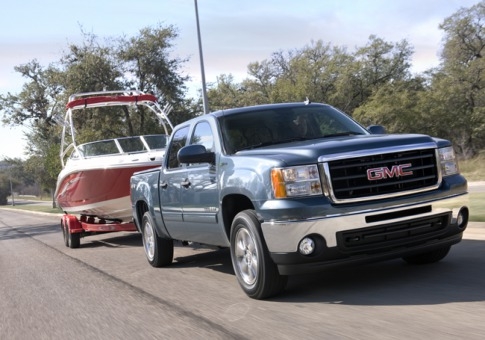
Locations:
column 474, row 169
column 372, row 82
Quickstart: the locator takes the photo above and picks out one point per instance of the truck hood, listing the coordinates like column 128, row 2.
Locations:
column 311, row 151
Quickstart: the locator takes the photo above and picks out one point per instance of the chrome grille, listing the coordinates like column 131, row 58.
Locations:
column 392, row 174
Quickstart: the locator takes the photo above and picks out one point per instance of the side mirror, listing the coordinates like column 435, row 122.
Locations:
column 377, row 129
column 195, row 153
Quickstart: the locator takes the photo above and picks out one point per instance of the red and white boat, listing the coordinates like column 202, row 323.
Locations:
column 93, row 188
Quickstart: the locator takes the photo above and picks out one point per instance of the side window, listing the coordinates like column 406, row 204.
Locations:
column 176, row 144
column 203, row 136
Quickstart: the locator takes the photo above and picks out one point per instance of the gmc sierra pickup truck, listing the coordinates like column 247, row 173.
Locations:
column 298, row 187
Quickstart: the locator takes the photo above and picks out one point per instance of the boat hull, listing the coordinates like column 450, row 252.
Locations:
column 102, row 191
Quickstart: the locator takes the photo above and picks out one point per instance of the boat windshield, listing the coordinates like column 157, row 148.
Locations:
column 98, row 148
column 156, row 142
column 117, row 146
column 280, row 125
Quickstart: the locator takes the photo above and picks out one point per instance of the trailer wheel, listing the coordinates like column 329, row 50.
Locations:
column 429, row 257
column 73, row 240
column 256, row 272
column 64, row 233
column 158, row 250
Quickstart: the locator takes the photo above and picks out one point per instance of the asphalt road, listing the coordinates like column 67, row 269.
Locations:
column 107, row 290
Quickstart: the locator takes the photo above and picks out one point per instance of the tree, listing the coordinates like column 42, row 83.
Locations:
column 459, row 84
column 147, row 65
column 397, row 106
column 4, row 189
column 11, row 174
column 320, row 72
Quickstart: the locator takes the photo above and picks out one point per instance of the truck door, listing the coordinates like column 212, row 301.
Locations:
column 200, row 196
column 172, row 178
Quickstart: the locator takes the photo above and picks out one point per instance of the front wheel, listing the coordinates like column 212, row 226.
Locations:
column 429, row 257
column 256, row 273
column 159, row 251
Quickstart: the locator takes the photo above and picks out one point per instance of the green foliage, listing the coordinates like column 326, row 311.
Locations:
column 147, row 64
column 472, row 168
column 462, row 79
column 320, row 72
column 476, row 203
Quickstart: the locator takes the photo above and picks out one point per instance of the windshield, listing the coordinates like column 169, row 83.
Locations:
column 126, row 145
column 250, row 130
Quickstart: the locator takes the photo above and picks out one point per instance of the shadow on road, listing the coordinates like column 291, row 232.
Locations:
column 457, row 278
column 211, row 258
column 10, row 233
column 112, row 240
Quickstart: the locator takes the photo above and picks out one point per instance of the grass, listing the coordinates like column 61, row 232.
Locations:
column 33, row 207
column 476, row 204
column 473, row 169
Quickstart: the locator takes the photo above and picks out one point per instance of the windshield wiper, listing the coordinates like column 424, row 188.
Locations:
column 292, row 139
column 345, row 133
column 250, row 147
column 297, row 139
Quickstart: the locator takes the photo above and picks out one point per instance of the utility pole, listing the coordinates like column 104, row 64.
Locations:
column 204, row 91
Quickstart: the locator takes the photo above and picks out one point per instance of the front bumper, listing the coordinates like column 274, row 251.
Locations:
column 366, row 235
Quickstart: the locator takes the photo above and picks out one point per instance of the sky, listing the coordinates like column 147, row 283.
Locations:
column 234, row 33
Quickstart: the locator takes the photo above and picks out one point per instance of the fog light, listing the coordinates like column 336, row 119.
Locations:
column 462, row 218
column 307, row 246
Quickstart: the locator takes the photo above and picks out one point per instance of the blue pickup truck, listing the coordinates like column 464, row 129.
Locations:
column 299, row 187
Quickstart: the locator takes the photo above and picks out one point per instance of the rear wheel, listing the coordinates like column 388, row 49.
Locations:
column 159, row 251
column 428, row 257
column 73, row 240
column 256, row 273
column 64, row 233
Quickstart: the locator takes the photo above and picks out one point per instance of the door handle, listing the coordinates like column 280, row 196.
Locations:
column 164, row 185
column 185, row 183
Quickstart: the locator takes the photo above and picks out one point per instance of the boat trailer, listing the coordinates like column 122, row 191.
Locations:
column 74, row 228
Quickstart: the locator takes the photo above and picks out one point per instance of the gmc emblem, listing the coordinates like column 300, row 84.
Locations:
column 384, row 172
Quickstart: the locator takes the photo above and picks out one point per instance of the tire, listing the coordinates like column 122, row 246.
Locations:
column 256, row 272
column 159, row 251
column 429, row 257
column 73, row 240
column 64, row 233
column 70, row 240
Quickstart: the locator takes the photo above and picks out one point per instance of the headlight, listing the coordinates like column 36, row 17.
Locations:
column 296, row 181
column 448, row 163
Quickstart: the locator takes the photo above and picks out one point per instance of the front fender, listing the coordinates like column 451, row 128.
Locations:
column 249, row 177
